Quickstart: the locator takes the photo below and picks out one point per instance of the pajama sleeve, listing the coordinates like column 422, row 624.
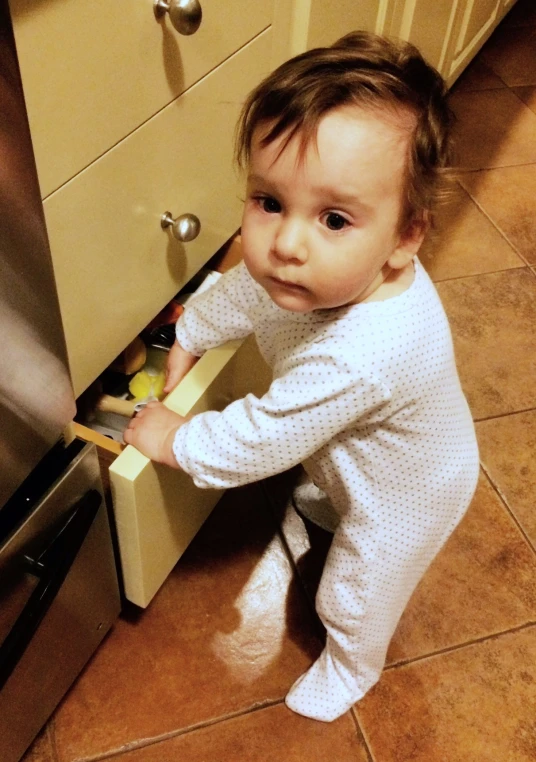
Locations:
column 219, row 314
column 318, row 397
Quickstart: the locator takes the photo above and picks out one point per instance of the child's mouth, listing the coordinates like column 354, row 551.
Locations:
column 288, row 285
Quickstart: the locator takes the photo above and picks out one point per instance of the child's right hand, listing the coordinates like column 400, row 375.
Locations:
column 178, row 364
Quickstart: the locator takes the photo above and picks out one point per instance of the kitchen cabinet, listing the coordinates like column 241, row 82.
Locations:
column 449, row 33
column 131, row 119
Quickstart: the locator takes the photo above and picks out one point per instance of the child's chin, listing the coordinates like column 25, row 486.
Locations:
column 292, row 302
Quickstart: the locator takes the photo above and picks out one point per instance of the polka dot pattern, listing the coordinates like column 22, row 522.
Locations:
column 367, row 397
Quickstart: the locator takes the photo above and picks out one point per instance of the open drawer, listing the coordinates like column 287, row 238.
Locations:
column 158, row 510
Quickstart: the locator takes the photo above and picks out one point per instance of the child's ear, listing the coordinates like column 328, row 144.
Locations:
column 409, row 242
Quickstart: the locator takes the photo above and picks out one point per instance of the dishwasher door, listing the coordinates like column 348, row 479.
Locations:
column 59, row 596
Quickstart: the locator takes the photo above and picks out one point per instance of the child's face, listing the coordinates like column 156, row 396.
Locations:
column 324, row 231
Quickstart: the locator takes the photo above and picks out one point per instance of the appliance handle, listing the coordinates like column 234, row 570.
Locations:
column 52, row 567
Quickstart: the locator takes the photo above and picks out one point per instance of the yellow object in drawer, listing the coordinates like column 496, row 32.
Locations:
column 158, row 510
column 94, row 71
column 115, row 267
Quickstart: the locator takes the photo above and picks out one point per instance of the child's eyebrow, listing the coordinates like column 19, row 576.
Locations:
column 253, row 178
column 336, row 196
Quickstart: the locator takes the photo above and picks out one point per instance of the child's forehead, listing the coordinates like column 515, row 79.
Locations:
column 390, row 124
column 342, row 140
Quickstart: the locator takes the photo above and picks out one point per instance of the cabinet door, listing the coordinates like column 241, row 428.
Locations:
column 94, row 70
column 477, row 20
column 115, row 267
column 328, row 21
column 428, row 25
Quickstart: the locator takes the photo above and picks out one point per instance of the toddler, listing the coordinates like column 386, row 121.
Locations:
column 345, row 148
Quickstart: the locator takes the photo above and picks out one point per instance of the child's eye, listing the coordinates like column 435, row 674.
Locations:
column 269, row 205
column 335, row 221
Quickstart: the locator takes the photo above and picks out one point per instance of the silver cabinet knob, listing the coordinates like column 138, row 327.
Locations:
column 185, row 228
column 185, row 15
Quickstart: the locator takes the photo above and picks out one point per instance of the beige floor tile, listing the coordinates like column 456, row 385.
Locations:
column 511, row 54
column 464, row 242
column 508, row 197
column 228, row 630
column 494, row 129
column 508, row 452
column 493, row 320
column 269, row 735
column 476, row 704
column 483, row 582
column 478, row 76
column 527, row 95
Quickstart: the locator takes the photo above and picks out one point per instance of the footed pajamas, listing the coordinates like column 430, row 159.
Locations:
column 367, row 397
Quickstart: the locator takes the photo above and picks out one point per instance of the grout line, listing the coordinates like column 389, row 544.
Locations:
column 504, row 415
column 361, row 734
column 522, row 266
column 495, row 225
column 506, row 505
column 145, row 742
column 51, row 735
column 512, row 89
column 460, row 646
column 462, row 171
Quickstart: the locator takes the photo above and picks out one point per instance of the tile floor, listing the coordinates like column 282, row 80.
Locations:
column 202, row 673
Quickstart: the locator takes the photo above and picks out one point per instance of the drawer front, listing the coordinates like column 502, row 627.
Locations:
column 115, row 267
column 158, row 510
column 94, row 71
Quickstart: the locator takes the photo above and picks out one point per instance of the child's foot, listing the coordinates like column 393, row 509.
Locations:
column 314, row 504
column 321, row 694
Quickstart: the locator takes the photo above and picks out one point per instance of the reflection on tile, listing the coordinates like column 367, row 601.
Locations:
column 494, row 129
column 508, row 196
column 269, row 735
column 511, row 54
column 41, row 750
column 527, row 95
column 478, row 76
column 482, row 582
column 465, row 242
column 493, row 321
column 228, row 630
column 508, row 452
column 477, row 703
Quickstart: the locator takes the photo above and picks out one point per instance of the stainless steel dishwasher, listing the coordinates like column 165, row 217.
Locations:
column 59, row 591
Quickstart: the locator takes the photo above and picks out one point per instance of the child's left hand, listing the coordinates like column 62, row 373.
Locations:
column 152, row 432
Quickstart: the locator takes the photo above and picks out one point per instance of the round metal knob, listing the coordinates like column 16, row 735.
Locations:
column 185, row 228
column 185, row 15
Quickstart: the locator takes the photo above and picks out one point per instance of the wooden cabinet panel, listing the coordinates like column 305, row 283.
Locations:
column 479, row 16
column 427, row 24
column 158, row 510
column 330, row 20
column 115, row 267
column 94, row 71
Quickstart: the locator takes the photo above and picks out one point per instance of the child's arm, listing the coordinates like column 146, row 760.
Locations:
column 253, row 438
column 219, row 314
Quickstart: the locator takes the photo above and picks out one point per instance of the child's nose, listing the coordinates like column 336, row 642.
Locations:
column 290, row 241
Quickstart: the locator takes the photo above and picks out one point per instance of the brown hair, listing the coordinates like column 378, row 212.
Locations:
column 366, row 70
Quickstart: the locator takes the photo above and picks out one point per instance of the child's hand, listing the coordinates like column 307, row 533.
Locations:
column 152, row 431
column 178, row 364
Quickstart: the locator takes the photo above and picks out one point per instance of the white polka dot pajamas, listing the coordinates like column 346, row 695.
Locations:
column 368, row 398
